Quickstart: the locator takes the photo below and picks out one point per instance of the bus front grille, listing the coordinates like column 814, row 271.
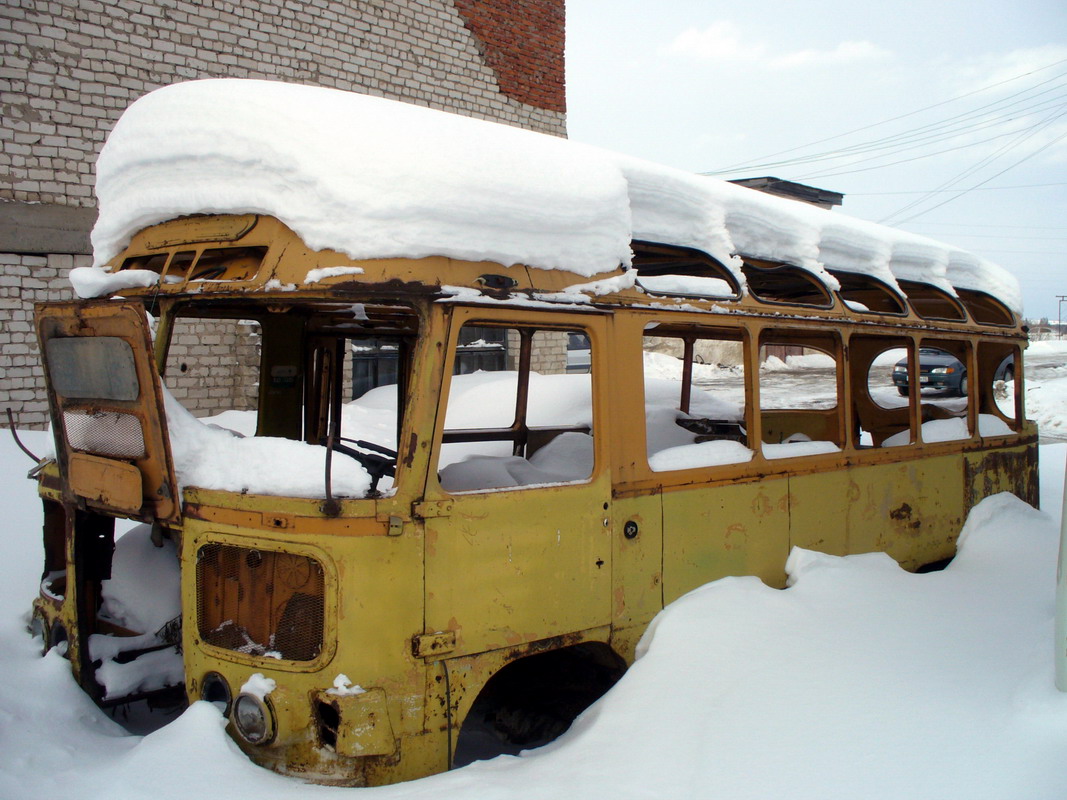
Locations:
column 260, row 602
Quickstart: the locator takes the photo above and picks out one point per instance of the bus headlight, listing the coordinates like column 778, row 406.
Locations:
column 253, row 719
column 215, row 690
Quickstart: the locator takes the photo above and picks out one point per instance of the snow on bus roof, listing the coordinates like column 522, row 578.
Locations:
column 376, row 178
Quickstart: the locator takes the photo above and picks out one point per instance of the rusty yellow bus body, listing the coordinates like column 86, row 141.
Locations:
column 430, row 599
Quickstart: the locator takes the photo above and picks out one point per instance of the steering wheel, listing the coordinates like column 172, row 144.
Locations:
column 380, row 461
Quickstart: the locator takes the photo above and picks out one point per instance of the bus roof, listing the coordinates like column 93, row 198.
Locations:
column 375, row 178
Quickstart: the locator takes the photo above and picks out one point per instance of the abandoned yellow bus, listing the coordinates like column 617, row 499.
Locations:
column 501, row 398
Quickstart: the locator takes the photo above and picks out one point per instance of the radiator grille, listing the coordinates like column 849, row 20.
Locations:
column 106, row 433
column 260, row 602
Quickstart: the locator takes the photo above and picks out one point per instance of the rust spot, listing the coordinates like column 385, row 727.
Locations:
column 761, row 506
column 902, row 513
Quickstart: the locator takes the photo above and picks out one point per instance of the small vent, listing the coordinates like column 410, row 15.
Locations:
column 105, row 433
column 260, row 602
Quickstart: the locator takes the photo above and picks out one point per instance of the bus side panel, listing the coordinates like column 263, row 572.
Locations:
column 913, row 511
column 637, row 569
column 505, row 568
column 733, row 529
column 1004, row 470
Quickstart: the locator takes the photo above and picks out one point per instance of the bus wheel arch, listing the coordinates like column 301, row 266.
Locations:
column 534, row 698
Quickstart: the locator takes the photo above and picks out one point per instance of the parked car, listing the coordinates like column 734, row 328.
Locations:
column 941, row 370
column 937, row 370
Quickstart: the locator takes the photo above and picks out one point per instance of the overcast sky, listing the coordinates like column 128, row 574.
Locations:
column 946, row 95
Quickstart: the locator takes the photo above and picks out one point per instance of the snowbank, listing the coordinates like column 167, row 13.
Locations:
column 861, row 680
column 375, row 178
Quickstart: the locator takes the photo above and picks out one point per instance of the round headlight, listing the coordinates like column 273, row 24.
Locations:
column 253, row 719
column 215, row 690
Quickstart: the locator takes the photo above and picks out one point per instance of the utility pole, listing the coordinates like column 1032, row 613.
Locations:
column 1059, row 315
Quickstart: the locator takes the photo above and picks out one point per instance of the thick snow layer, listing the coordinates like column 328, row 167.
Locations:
column 366, row 176
column 214, row 457
column 375, row 178
column 860, row 680
column 138, row 562
column 95, row 281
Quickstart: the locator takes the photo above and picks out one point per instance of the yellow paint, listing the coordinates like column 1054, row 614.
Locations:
column 428, row 594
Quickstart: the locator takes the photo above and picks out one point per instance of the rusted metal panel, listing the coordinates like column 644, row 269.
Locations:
column 106, row 482
column 1012, row 470
column 123, row 427
column 430, row 645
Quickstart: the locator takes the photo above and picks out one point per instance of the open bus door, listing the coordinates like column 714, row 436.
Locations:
column 112, row 452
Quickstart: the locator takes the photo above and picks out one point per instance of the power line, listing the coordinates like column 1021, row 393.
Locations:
column 942, row 130
column 747, row 166
column 976, row 189
column 1025, row 133
column 965, row 191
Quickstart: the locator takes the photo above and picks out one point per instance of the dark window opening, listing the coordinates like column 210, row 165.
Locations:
column 771, row 282
column 930, row 302
column 682, row 272
column 985, row 308
column 865, row 294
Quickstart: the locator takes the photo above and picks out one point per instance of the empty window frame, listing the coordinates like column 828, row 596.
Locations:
column 682, row 272
column 867, row 295
column 998, row 388
column 695, row 398
column 930, row 302
column 943, row 377
column 882, row 417
column 799, row 390
column 772, row 282
column 521, row 420
column 986, row 309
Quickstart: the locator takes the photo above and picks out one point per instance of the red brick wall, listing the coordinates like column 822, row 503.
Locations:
column 523, row 41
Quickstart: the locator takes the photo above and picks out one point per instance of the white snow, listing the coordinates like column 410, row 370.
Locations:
column 342, row 687
column 316, row 275
column 375, row 178
column 700, row 454
column 860, row 680
column 138, row 562
column 216, row 458
column 370, row 177
column 259, row 685
column 96, row 281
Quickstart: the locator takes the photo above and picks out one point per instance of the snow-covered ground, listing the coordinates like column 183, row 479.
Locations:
column 859, row 681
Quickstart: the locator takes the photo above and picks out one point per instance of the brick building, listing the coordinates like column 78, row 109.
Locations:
column 70, row 67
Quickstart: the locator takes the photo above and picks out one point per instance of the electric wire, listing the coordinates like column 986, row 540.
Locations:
column 894, row 218
column 933, row 132
column 747, row 166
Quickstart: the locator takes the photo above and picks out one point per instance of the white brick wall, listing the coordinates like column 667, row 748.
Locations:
column 25, row 280
column 69, row 67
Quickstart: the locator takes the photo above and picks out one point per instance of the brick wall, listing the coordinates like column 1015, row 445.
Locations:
column 69, row 67
column 523, row 41
column 25, row 280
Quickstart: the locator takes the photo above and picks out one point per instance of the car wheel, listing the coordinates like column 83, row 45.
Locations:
column 903, row 391
column 963, row 386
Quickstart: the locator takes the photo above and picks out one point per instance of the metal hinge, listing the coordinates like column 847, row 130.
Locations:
column 428, row 645
column 431, row 508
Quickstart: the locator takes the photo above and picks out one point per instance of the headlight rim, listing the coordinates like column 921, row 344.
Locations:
column 216, row 679
column 266, row 710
